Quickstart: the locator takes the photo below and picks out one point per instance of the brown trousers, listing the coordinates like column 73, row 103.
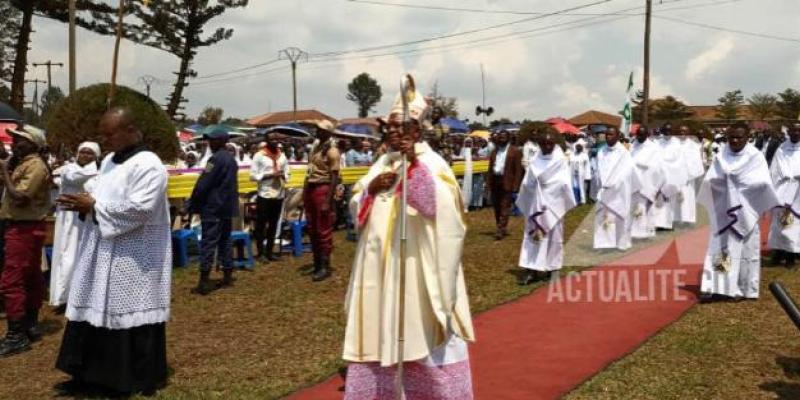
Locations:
column 501, row 200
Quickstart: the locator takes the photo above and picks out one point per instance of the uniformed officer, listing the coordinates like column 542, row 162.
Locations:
column 216, row 198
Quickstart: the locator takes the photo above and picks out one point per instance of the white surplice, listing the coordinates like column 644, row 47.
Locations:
column 646, row 157
column 736, row 191
column 72, row 179
column 785, row 229
column 466, row 183
column 675, row 176
column 545, row 196
column 685, row 206
column 617, row 180
column 124, row 270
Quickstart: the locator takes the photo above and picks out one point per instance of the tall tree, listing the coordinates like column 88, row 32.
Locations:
column 728, row 108
column 448, row 104
column 50, row 99
column 365, row 92
column 210, row 116
column 763, row 106
column 176, row 26
column 94, row 15
column 668, row 109
column 789, row 104
column 10, row 21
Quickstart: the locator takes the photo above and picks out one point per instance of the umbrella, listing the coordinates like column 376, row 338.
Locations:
column 480, row 134
column 455, row 125
column 356, row 129
column 8, row 114
column 5, row 138
column 295, row 130
column 198, row 135
column 555, row 120
column 565, row 128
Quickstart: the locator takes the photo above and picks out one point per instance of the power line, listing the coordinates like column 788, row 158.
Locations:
column 463, row 33
column 264, row 64
column 737, row 31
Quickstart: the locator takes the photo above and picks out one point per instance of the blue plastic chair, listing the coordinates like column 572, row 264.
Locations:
column 296, row 247
column 180, row 246
column 243, row 258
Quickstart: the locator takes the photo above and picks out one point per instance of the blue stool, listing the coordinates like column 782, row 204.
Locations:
column 297, row 247
column 180, row 246
column 244, row 258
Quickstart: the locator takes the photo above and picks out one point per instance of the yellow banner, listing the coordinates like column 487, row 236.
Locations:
column 180, row 186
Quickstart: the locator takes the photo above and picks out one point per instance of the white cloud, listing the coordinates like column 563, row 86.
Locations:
column 709, row 59
column 574, row 96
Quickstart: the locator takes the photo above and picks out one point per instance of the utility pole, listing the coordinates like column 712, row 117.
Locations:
column 49, row 64
column 293, row 54
column 115, row 60
column 35, row 101
column 646, row 101
column 482, row 109
column 147, row 81
column 71, row 60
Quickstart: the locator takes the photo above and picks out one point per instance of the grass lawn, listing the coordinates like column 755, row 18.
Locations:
column 275, row 331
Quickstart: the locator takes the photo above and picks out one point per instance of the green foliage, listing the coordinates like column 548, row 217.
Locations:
column 449, row 105
column 763, row 106
column 533, row 130
column 668, row 109
column 365, row 92
column 729, row 103
column 789, row 104
column 177, row 26
column 48, row 103
column 10, row 21
column 210, row 116
column 75, row 120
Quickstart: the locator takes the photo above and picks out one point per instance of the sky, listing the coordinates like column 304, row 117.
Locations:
column 536, row 65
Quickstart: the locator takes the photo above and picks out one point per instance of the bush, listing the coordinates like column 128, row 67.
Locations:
column 75, row 120
column 534, row 129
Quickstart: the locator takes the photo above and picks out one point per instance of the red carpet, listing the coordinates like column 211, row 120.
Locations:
column 541, row 348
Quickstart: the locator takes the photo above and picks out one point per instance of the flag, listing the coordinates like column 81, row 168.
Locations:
column 627, row 112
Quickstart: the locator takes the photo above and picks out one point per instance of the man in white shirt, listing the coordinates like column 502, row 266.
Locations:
column 270, row 169
column 618, row 182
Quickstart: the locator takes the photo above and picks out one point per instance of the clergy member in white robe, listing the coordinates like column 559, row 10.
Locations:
column 784, row 235
column 437, row 320
column 736, row 191
column 580, row 173
column 617, row 181
column 545, row 197
column 466, row 181
column 119, row 300
column 74, row 178
column 685, row 206
column 675, row 177
column 646, row 156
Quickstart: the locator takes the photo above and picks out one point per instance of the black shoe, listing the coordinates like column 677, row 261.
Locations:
column 32, row 328
column 791, row 260
column 227, row 278
column 272, row 257
column 71, row 388
column 527, row 278
column 16, row 341
column 322, row 270
column 204, row 286
column 498, row 236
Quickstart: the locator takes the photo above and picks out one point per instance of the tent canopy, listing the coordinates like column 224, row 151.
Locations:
column 455, row 125
column 288, row 117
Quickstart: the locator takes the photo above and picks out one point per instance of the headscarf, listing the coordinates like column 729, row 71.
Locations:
column 93, row 146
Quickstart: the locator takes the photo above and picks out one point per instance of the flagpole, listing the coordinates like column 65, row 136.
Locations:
column 115, row 61
column 646, row 89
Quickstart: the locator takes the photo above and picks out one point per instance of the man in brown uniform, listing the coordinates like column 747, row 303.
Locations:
column 24, row 206
column 505, row 176
column 318, row 198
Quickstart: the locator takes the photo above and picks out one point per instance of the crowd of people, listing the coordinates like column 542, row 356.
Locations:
column 112, row 258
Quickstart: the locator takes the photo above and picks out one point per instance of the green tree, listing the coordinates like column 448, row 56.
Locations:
column 728, row 108
column 177, row 26
column 449, row 105
column 763, row 106
column 49, row 101
column 75, row 119
column 94, row 15
column 789, row 104
column 668, row 109
column 210, row 116
column 365, row 92
column 10, row 20
column 477, row 126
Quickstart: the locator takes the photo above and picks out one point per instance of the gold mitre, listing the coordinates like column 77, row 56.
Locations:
column 417, row 106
